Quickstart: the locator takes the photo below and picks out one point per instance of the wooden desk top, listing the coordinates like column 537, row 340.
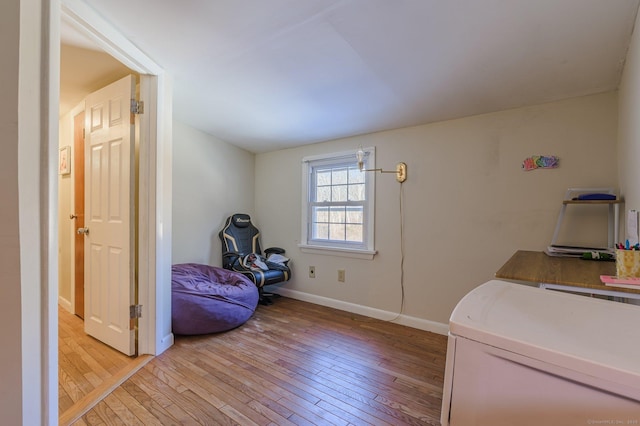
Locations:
column 535, row 266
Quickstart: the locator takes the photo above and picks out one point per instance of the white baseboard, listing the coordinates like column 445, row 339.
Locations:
column 165, row 343
column 419, row 323
column 66, row 304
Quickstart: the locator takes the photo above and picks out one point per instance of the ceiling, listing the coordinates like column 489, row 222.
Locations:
column 271, row 74
column 84, row 70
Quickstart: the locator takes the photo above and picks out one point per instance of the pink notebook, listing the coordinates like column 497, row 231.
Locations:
column 629, row 282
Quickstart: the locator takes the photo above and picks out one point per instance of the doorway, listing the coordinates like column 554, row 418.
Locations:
column 154, row 250
column 88, row 368
column 82, row 71
column 105, row 234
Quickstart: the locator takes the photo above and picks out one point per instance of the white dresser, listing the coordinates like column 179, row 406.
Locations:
column 519, row 355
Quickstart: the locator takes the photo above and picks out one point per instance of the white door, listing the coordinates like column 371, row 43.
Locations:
column 110, row 215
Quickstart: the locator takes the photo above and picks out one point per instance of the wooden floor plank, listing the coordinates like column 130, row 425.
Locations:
column 120, row 410
column 292, row 363
column 146, row 402
column 87, row 369
column 135, row 407
column 84, row 404
column 203, row 387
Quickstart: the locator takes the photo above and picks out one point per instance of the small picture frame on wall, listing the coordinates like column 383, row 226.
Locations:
column 64, row 160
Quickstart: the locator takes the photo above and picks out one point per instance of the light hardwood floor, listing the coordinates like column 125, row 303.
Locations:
column 292, row 363
column 87, row 368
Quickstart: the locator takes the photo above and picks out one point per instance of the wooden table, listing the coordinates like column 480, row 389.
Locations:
column 563, row 273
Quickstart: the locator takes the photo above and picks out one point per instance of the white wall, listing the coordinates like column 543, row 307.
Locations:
column 212, row 180
column 27, row 361
column 468, row 204
column 10, row 300
column 629, row 125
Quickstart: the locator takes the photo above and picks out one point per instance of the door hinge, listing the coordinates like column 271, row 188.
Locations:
column 135, row 311
column 137, row 107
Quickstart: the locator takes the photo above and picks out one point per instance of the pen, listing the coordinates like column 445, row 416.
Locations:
column 628, row 246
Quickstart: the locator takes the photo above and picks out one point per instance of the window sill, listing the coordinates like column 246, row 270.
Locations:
column 338, row 251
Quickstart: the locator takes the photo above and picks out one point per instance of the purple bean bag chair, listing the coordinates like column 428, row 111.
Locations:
column 207, row 299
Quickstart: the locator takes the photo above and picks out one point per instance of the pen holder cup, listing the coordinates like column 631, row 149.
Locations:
column 628, row 263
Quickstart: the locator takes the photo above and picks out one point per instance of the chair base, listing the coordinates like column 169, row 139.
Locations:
column 266, row 299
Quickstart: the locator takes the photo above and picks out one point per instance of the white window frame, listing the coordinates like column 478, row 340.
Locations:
column 307, row 245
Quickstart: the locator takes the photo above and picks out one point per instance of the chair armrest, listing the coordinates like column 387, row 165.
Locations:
column 276, row 250
column 231, row 254
column 229, row 258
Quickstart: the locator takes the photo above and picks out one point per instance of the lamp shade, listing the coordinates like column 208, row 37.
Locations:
column 360, row 157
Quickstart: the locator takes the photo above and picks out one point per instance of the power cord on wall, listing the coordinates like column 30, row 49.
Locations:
column 401, row 176
column 402, row 298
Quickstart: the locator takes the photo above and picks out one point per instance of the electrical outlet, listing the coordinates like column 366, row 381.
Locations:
column 341, row 273
column 312, row 271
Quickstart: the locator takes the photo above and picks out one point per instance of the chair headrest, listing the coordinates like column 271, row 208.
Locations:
column 241, row 220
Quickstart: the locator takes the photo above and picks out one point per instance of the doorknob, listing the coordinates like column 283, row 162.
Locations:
column 84, row 231
column 73, row 216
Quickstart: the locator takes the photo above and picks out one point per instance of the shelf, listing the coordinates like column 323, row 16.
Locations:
column 592, row 201
column 614, row 211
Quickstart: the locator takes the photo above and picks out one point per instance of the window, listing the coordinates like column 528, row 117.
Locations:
column 338, row 204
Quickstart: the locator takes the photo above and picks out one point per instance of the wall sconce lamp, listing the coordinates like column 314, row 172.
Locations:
column 400, row 171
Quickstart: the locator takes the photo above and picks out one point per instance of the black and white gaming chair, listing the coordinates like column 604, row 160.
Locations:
column 240, row 239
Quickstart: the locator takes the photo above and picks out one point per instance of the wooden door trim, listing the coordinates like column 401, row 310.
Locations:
column 78, row 201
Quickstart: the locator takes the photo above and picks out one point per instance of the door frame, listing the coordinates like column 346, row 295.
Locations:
column 77, row 194
column 155, row 173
